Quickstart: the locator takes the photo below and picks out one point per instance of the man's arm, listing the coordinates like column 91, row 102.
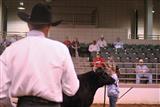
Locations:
column 98, row 48
column 105, row 43
column 146, row 68
column 70, row 82
column 90, row 48
column 4, row 80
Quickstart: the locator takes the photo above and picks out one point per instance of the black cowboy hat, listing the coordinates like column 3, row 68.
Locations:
column 41, row 14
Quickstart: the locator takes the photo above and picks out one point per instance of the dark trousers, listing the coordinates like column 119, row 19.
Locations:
column 31, row 101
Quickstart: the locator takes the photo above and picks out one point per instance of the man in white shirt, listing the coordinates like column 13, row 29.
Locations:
column 142, row 71
column 93, row 49
column 102, row 45
column 118, row 44
column 36, row 69
column 101, row 42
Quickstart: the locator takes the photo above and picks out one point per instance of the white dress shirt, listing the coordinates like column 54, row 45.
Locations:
column 142, row 69
column 37, row 66
column 118, row 44
column 102, row 43
column 93, row 48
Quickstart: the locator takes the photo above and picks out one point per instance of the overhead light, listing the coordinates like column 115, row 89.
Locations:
column 21, row 8
column 48, row 0
column 153, row 11
column 21, row 3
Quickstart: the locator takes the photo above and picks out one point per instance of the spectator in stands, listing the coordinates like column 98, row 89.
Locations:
column 113, row 90
column 101, row 42
column 118, row 44
column 76, row 47
column 68, row 43
column 36, row 69
column 102, row 45
column 98, row 62
column 142, row 71
column 93, row 49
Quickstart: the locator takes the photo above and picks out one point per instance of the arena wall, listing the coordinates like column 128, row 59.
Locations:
column 87, row 35
column 114, row 14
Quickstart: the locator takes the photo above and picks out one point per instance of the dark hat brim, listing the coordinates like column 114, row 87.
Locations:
column 26, row 17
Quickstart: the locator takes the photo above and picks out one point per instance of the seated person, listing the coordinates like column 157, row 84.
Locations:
column 142, row 71
column 93, row 49
column 67, row 42
column 98, row 62
column 102, row 45
column 118, row 44
column 102, row 42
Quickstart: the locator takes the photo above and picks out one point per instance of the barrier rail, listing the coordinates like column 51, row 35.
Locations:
column 142, row 36
column 127, row 71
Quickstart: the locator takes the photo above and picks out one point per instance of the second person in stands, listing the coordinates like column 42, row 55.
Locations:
column 102, row 45
column 93, row 49
column 118, row 44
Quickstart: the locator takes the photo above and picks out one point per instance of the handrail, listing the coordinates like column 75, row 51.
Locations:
column 155, row 70
column 142, row 36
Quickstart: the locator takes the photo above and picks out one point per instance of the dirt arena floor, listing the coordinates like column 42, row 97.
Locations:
column 128, row 105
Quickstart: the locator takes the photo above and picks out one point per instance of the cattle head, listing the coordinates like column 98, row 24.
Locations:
column 89, row 83
column 102, row 78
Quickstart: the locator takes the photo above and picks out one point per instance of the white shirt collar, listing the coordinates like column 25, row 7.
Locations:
column 35, row 33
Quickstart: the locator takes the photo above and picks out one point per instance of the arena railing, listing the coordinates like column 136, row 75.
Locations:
column 141, row 36
column 127, row 74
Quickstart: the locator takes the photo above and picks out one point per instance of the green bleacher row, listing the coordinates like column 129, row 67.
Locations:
column 127, row 70
column 130, row 53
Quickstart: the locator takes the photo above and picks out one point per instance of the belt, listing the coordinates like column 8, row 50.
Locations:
column 35, row 99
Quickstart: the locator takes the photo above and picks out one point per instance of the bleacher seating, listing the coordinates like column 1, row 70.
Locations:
column 126, row 59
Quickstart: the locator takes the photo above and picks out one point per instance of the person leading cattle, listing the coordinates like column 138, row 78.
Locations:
column 113, row 89
column 36, row 69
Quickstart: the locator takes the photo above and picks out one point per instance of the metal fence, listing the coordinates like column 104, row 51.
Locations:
column 142, row 36
column 128, row 74
column 127, row 71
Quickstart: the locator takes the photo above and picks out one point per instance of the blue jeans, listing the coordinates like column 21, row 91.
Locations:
column 140, row 75
column 112, row 101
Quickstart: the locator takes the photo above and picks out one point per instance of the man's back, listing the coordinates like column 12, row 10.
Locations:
column 37, row 66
